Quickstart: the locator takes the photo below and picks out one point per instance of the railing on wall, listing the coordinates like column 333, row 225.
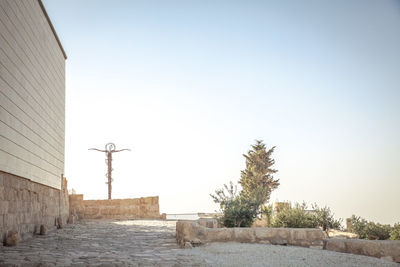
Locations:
column 190, row 216
column 182, row 216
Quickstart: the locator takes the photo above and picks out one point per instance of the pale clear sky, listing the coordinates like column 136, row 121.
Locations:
column 189, row 86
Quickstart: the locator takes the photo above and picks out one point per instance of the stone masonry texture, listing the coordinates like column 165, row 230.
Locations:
column 131, row 208
column 25, row 205
column 202, row 232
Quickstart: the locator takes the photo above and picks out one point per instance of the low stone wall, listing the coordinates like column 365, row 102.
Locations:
column 193, row 233
column 131, row 208
column 190, row 233
column 25, row 205
column 386, row 249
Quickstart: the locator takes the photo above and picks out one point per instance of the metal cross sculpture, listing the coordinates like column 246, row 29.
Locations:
column 110, row 148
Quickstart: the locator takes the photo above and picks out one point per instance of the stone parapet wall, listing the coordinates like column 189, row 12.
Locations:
column 196, row 233
column 386, row 249
column 131, row 208
column 25, row 205
column 193, row 233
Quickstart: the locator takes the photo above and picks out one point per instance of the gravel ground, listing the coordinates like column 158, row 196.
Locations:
column 238, row 254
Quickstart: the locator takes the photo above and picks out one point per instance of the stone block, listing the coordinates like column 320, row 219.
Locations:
column 43, row 230
column 59, row 223
column 10, row 194
column 244, row 235
column 319, row 247
column 208, row 222
column 153, row 208
column 298, row 234
column 390, row 248
column 188, row 245
column 76, row 198
column 387, row 258
column 317, row 243
column 14, row 183
column 219, row 234
column 333, row 233
column 371, row 249
column 335, row 245
column 109, row 211
column 116, row 202
column 3, row 207
column 148, row 200
column 90, row 211
column 283, row 233
column 315, row 235
column 23, row 184
column 71, row 219
column 7, row 180
column 2, row 193
column 189, row 231
column 25, row 195
column 355, row 246
column 14, row 207
column 10, row 220
column 132, row 201
column 265, row 234
column 12, row 238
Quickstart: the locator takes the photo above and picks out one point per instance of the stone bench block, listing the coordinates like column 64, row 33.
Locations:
column 196, row 232
column 387, row 249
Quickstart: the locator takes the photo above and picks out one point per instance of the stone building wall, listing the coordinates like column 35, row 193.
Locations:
column 32, row 94
column 32, row 119
column 25, row 205
column 131, row 208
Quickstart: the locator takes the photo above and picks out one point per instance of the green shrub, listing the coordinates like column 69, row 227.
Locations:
column 296, row 217
column 369, row 230
column 324, row 218
column 237, row 210
column 395, row 232
column 377, row 231
column 357, row 226
column 300, row 217
column 267, row 212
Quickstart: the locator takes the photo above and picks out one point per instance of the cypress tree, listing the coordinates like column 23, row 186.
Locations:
column 258, row 178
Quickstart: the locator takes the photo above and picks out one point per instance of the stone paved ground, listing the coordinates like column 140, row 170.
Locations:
column 152, row 243
column 102, row 243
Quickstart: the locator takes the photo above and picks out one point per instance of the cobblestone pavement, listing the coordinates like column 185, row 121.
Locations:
column 102, row 243
column 152, row 243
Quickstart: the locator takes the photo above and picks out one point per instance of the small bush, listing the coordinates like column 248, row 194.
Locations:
column 357, row 226
column 395, row 232
column 324, row 218
column 369, row 230
column 377, row 231
column 267, row 212
column 300, row 217
column 237, row 210
column 297, row 217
